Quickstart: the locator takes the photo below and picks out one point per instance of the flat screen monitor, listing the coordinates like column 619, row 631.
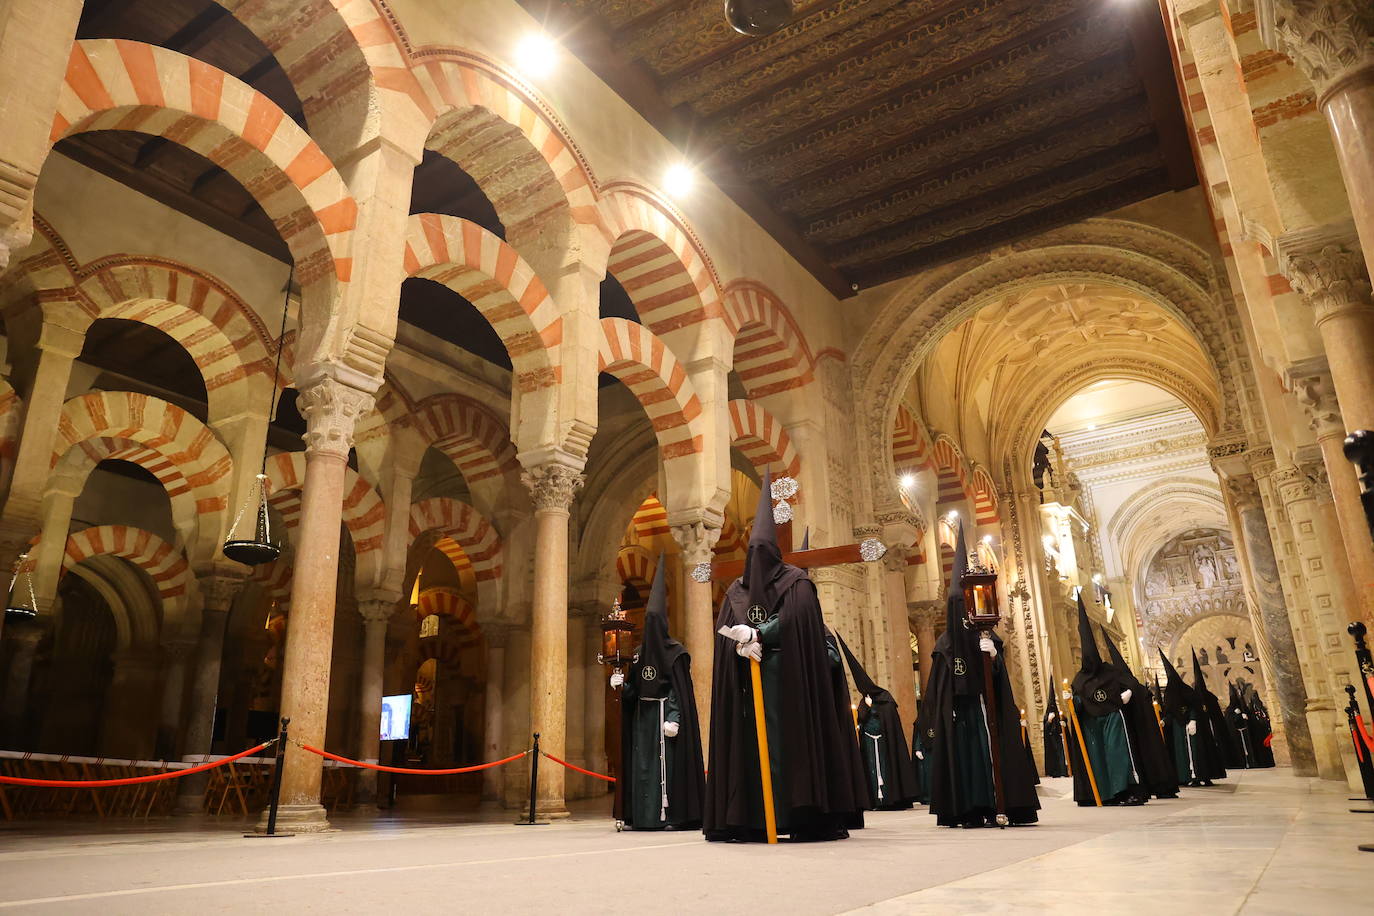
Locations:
column 396, row 717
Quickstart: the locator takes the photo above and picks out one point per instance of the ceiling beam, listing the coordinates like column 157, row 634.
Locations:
column 636, row 85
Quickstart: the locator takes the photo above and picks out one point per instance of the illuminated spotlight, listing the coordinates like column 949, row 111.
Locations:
column 953, row 515
column 679, row 179
column 1092, row 426
column 536, row 54
column 908, row 481
column 987, row 539
column 1097, row 577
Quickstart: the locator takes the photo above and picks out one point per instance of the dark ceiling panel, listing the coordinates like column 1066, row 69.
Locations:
column 877, row 137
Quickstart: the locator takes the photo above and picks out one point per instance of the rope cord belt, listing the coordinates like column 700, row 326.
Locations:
column 406, row 771
column 130, row 780
column 577, row 768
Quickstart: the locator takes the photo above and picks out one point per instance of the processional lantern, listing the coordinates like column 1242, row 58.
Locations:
column 757, row 18
column 258, row 546
column 980, row 595
column 22, row 604
column 617, row 634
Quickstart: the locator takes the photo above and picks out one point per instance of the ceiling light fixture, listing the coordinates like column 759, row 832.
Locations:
column 536, row 54
column 757, row 18
column 908, row 481
column 679, row 179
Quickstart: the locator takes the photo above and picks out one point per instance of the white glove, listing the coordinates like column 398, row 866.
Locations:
column 920, row 755
column 670, row 729
column 1244, row 717
column 1125, row 697
column 986, row 647
column 1191, row 728
column 868, row 700
column 617, row 680
column 752, row 650
column 1052, row 717
column 743, row 633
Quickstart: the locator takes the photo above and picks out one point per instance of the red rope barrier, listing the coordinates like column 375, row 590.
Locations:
column 129, row 780
column 412, row 772
column 577, row 768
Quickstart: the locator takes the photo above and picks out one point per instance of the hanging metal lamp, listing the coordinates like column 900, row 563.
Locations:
column 758, row 18
column 22, row 604
column 259, row 547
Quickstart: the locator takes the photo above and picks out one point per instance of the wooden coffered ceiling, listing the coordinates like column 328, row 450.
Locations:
column 875, row 138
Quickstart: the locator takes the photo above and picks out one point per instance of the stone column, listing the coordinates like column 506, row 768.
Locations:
column 217, row 595
column 1332, row 43
column 576, row 745
column 516, row 691
column 697, row 542
column 35, row 45
column 376, row 616
column 1311, row 384
column 902, row 684
column 331, row 410
column 595, row 699
column 1274, row 631
column 24, row 636
column 175, row 655
column 1297, row 489
column 125, row 729
column 552, row 488
column 925, row 616
column 493, row 733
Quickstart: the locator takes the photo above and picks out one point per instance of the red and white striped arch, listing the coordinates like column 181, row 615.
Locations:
column 633, row 565
column 275, row 578
column 453, row 519
column 911, row 448
column 633, row 354
column 490, row 274
column 219, row 330
column 984, row 498
column 473, row 437
column 364, row 515
column 165, row 565
column 762, row 439
column 952, row 470
column 513, row 147
column 114, row 84
column 650, row 519
column 663, row 268
column 771, row 355
column 448, row 602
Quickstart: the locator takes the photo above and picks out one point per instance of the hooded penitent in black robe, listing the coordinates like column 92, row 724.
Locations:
column 1197, row 759
column 662, row 782
column 1238, row 722
column 1216, row 719
column 1261, row 730
column 1155, row 766
column 1097, row 690
column 961, row 768
column 819, row 791
column 1054, row 740
column 892, row 783
column 1030, row 752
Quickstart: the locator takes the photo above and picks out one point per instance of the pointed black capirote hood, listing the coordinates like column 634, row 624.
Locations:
column 1053, row 706
column 958, row 645
column 1092, row 658
column 1119, row 662
column 657, row 650
column 1199, row 680
column 1177, row 698
column 764, row 559
column 862, row 682
column 954, row 604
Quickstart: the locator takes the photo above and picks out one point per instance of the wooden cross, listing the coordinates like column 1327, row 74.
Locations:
column 802, row 559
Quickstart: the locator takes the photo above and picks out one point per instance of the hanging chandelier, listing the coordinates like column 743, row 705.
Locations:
column 757, row 18
column 259, row 546
column 22, row 602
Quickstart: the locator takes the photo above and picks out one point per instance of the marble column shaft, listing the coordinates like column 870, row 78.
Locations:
column 175, row 658
column 552, row 488
column 697, row 542
column 331, row 410
column 217, row 597
column 24, row 637
column 577, row 703
column 926, row 615
column 376, row 615
column 493, row 734
column 595, row 715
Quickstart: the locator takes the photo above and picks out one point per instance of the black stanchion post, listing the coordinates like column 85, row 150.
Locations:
column 1359, row 449
column 1361, row 753
column 534, row 788
column 274, row 798
column 1364, row 660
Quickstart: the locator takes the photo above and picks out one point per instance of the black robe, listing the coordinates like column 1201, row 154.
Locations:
column 686, row 781
column 1261, row 732
column 1213, row 721
column 900, row 787
column 822, row 782
column 1197, row 759
column 1054, row 741
column 1155, row 766
column 947, row 801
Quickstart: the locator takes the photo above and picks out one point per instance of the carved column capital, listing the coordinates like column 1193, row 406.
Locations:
column 1261, row 462
column 697, row 541
column 553, row 486
column 1326, row 39
column 332, row 411
column 1292, row 484
column 894, row 561
column 376, row 610
column 1312, row 388
column 217, row 593
column 497, row 634
column 1325, row 265
column 1244, row 492
column 925, row 613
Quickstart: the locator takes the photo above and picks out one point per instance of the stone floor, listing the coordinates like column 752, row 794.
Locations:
column 1265, row 843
